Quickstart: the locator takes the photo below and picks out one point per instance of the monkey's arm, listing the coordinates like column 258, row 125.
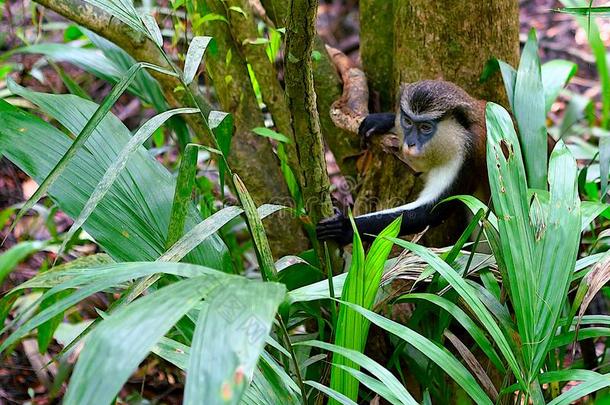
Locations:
column 376, row 124
column 441, row 183
column 415, row 218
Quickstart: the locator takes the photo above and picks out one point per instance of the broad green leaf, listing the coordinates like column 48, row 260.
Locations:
column 509, row 192
column 229, row 338
column 81, row 138
column 439, row 355
column 144, row 85
column 194, row 54
column 557, row 249
column 131, row 222
column 89, row 60
column 88, row 282
column 376, row 369
column 555, row 75
column 116, row 168
column 591, row 210
column 120, row 342
column 529, row 109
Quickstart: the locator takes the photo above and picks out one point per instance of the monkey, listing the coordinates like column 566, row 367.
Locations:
column 443, row 138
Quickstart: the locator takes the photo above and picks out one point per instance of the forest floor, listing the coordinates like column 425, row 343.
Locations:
column 21, row 378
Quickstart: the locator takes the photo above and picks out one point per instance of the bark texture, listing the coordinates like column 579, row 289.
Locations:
column 300, row 34
column 451, row 40
column 344, row 145
column 243, row 29
column 251, row 156
column 376, row 45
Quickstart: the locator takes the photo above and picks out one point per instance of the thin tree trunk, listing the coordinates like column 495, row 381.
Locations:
column 300, row 34
column 344, row 145
column 251, row 155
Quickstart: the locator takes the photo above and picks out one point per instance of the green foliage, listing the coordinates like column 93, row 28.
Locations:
column 240, row 339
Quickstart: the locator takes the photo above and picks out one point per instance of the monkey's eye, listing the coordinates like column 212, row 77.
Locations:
column 426, row 128
column 407, row 122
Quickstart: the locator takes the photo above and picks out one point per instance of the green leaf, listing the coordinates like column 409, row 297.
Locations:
column 604, row 165
column 361, row 288
column 153, row 30
column 468, row 324
column 470, row 297
column 199, row 233
column 89, row 281
column 557, row 250
column 238, row 10
column 194, row 54
column 120, row 342
column 13, row 256
column 439, row 355
column 581, row 390
column 144, row 85
column 221, row 124
column 80, row 140
column 229, row 338
column 509, row 192
column 598, row 47
column 598, row 11
column 255, row 225
column 183, row 194
column 117, row 167
column 529, row 109
column 332, row 394
column 555, row 75
column 376, row 369
column 122, row 10
column 269, row 133
column 131, row 222
column 349, row 331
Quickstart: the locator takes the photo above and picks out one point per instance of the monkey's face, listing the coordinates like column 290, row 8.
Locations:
column 417, row 131
column 429, row 141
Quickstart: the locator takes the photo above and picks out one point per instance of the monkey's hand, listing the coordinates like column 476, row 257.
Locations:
column 337, row 228
column 376, row 124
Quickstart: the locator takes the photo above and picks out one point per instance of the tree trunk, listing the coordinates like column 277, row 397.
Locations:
column 451, row 40
column 251, row 156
